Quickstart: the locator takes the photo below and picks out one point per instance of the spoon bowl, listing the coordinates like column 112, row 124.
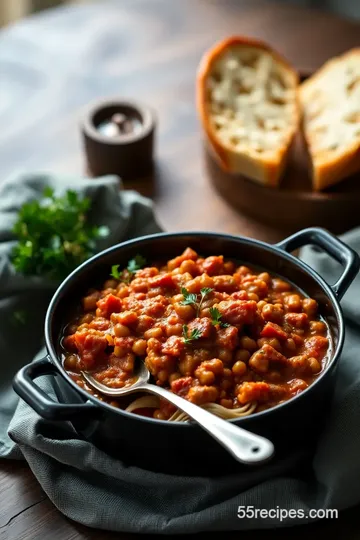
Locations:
column 142, row 377
column 244, row 446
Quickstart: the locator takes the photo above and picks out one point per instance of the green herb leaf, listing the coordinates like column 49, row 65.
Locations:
column 136, row 263
column 72, row 197
column 216, row 318
column 48, row 192
column 53, row 235
column 133, row 265
column 115, row 271
column 203, row 293
column 195, row 334
column 189, row 298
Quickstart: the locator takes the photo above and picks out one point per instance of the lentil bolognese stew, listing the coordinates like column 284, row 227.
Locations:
column 229, row 338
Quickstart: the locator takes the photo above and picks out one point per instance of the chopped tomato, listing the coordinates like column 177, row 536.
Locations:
column 260, row 359
column 253, row 391
column 108, row 305
column 273, row 355
column 91, row 348
column 316, row 346
column 162, row 280
column 297, row 320
column 181, row 386
column 272, row 330
column 154, row 307
column 202, row 325
column 173, row 346
column 227, row 337
column 213, row 265
column 238, row 312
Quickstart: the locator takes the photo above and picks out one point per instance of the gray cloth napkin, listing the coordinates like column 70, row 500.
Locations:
column 94, row 489
column 127, row 215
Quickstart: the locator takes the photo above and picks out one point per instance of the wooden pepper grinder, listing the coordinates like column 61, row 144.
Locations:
column 118, row 138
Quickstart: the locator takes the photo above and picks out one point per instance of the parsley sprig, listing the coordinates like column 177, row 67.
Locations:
column 133, row 265
column 53, row 235
column 216, row 318
column 192, row 298
column 194, row 335
column 203, row 294
column 115, row 271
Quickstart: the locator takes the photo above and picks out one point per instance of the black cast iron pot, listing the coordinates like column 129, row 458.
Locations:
column 186, row 448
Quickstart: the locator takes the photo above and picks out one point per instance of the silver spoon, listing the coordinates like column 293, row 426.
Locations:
column 243, row 445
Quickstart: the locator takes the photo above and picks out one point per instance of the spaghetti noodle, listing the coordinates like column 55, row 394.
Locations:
column 153, row 402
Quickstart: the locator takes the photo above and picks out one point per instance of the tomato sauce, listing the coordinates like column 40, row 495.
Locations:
column 208, row 329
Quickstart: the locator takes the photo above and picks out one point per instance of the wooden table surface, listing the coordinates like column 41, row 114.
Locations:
column 53, row 64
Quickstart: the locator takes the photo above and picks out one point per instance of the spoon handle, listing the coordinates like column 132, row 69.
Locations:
column 244, row 446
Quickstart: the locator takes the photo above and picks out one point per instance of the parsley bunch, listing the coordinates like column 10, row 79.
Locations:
column 54, row 236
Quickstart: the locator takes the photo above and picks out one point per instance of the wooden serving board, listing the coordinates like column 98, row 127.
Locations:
column 293, row 205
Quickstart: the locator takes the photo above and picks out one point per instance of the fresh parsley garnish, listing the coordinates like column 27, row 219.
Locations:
column 203, row 293
column 115, row 271
column 216, row 318
column 192, row 298
column 53, row 235
column 133, row 265
column 194, row 335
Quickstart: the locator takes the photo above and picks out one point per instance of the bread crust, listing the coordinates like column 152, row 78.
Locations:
column 331, row 122
column 264, row 166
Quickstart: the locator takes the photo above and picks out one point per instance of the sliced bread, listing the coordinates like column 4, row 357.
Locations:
column 331, row 119
column 248, row 104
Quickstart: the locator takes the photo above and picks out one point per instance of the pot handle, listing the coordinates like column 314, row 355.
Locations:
column 38, row 400
column 332, row 246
